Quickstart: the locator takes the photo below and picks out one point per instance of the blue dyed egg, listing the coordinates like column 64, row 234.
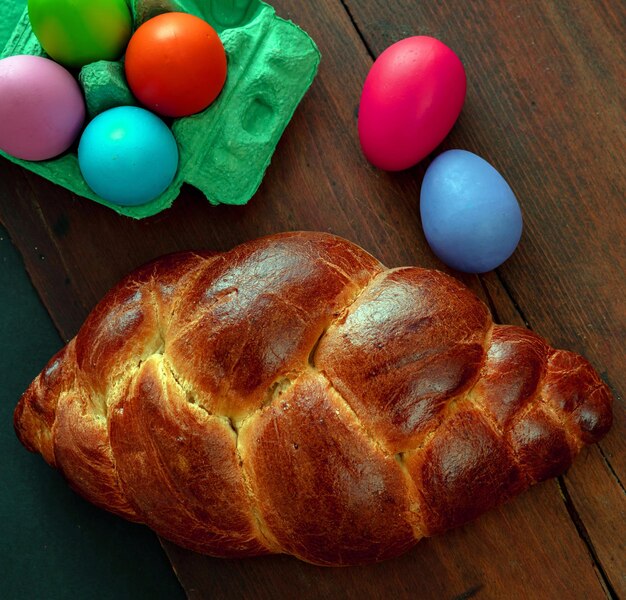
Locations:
column 128, row 156
column 471, row 218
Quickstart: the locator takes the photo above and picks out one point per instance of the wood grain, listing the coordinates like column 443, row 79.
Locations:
column 75, row 250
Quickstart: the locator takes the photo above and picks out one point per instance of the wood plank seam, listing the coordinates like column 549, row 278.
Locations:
column 357, row 29
column 606, row 460
column 469, row 593
column 509, row 293
column 584, row 536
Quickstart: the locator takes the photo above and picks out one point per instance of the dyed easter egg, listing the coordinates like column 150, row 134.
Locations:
column 128, row 156
column 77, row 32
column 175, row 64
column 471, row 218
column 412, row 97
column 42, row 108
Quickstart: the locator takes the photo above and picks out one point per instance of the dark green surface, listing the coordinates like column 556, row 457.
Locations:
column 53, row 543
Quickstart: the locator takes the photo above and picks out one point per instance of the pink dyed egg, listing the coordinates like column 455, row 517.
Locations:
column 41, row 108
column 412, row 97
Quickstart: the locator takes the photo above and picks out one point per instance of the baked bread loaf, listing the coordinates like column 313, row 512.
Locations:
column 293, row 395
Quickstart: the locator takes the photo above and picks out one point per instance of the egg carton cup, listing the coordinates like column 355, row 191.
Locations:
column 226, row 149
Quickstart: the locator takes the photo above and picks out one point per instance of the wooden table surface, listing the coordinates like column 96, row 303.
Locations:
column 546, row 106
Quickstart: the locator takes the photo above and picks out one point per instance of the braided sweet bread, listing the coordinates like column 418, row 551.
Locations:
column 293, row 395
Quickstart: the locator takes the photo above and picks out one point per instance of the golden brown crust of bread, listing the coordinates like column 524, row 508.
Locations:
column 293, row 395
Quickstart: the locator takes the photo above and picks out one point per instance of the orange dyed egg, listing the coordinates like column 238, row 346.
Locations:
column 176, row 64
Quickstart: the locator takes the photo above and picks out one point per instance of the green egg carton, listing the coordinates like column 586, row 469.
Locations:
column 224, row 150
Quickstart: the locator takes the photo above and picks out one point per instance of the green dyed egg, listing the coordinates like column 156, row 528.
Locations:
column 78, row 32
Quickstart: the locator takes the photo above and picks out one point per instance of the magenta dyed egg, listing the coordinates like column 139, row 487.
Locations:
column 412, row 97
column 42, row 108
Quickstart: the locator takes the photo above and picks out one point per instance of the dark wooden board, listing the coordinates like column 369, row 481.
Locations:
column 561, row 539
